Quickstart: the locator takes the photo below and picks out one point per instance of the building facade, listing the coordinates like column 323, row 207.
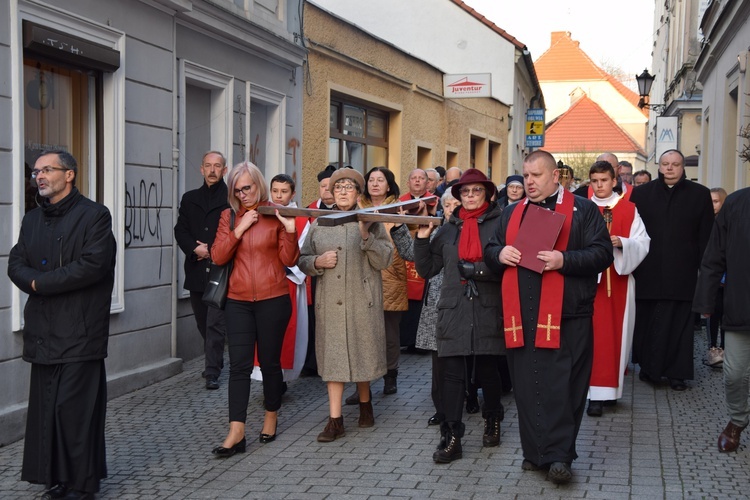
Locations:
column 456, row 39
column 138, row 90
column 367, row 103
column 721, row 68
column 675, row 97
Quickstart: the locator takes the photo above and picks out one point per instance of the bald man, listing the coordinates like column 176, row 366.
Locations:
column 548, row 316
column 451, row 175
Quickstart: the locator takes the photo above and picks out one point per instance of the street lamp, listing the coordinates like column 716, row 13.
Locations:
column 645, row 80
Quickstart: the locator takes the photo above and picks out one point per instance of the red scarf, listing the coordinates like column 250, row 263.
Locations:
column 553, row 284
column 469, row 244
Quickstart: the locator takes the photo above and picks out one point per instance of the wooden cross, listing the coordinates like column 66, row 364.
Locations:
column 549, row 326
column 383, row 213
column 513, row 328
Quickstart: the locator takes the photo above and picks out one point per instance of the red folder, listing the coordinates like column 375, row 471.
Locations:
column 539, row 231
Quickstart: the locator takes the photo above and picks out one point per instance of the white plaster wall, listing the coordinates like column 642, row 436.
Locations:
column 438, row 32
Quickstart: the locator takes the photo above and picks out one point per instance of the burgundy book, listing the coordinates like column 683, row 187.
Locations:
column 539, row 231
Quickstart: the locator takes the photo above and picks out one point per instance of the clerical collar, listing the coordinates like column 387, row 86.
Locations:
column 609, row 201
column 550, row 202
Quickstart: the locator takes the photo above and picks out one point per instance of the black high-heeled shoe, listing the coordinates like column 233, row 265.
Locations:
column 221, row 452
column 268, row 438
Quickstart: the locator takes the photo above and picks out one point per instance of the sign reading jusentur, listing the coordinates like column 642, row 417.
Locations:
column 467, row 85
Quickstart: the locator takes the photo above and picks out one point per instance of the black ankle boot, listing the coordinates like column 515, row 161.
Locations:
column 389, row 382
column 491, row 435
column 452, row 449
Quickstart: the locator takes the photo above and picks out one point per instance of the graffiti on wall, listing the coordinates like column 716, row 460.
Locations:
column 143, row 213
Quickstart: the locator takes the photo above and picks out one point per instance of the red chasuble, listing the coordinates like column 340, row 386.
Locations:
column 609, row 307
column 550, row 303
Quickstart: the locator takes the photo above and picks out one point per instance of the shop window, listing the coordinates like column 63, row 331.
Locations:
column 60, row 111
column 358, row 136
column 71, row 98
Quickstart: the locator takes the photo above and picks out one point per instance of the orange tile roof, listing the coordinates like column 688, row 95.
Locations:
column 565, row 61
column 585, row 127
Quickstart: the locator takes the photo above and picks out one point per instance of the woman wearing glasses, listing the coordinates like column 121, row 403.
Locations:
column 468, row 323
column 258, row 304
column 349, row 328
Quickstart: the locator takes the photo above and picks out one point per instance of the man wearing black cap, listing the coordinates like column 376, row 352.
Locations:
column 326, row 198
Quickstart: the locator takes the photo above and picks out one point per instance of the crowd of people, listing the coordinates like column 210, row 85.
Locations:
column 539, row 287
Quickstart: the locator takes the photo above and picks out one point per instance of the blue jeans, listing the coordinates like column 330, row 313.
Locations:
column 737, row 376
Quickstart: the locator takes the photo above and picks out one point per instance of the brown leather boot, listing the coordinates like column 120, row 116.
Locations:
column 334, row 430
column 729, row 439
column 366, row 417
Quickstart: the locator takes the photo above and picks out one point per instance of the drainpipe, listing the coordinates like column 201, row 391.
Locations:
column 175, row 168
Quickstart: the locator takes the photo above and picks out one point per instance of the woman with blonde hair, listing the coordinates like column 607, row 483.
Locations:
column 258, row 304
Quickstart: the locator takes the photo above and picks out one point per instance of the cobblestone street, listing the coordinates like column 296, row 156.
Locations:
column 656, row 443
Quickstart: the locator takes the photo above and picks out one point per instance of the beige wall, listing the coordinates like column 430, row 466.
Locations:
column 345, row 60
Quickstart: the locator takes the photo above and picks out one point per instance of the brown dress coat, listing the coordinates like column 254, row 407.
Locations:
column 349, row 328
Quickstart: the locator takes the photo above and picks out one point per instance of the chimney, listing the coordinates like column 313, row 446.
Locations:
column 557, row 36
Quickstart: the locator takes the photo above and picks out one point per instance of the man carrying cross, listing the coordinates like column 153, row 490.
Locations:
column 547, row 316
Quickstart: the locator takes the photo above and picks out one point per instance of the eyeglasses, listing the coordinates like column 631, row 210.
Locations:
column 244, row 190
column 45, row 170
column 476, row 190
column 337, row 188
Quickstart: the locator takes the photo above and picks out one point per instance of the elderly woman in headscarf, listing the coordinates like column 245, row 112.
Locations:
column 349, row 328
column 468, row 325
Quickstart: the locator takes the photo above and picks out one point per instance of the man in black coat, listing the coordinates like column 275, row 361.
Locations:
column 200, row 210
column 727, row 255
column 547, row 317
column 678, row 215
column 65, row 261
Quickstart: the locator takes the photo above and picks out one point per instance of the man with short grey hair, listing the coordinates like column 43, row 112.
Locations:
column 200, row 210
column 65, row 261
column 433, row 179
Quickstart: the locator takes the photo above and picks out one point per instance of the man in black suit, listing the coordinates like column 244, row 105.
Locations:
column 195, row 230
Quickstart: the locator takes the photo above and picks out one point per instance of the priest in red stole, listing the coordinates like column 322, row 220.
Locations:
column 547, row 315
column 614, row 306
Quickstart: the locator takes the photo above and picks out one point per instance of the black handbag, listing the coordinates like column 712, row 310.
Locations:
column 215, row 294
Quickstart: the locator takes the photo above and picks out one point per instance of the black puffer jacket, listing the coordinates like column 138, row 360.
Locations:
column 465, row 326
column 589, row 252
column 69, row 251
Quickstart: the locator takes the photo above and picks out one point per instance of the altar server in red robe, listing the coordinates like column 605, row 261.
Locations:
column 614, row 305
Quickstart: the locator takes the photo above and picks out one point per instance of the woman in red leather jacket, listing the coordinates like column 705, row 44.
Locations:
column 258, row 304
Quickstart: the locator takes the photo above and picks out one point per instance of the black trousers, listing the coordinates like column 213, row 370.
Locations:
column 251, row 324
column 212, row 328
column 455, row 376
column 714, row 321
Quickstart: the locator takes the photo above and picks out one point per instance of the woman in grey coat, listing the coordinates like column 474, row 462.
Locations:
column 468, row 323
column 349, row 328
